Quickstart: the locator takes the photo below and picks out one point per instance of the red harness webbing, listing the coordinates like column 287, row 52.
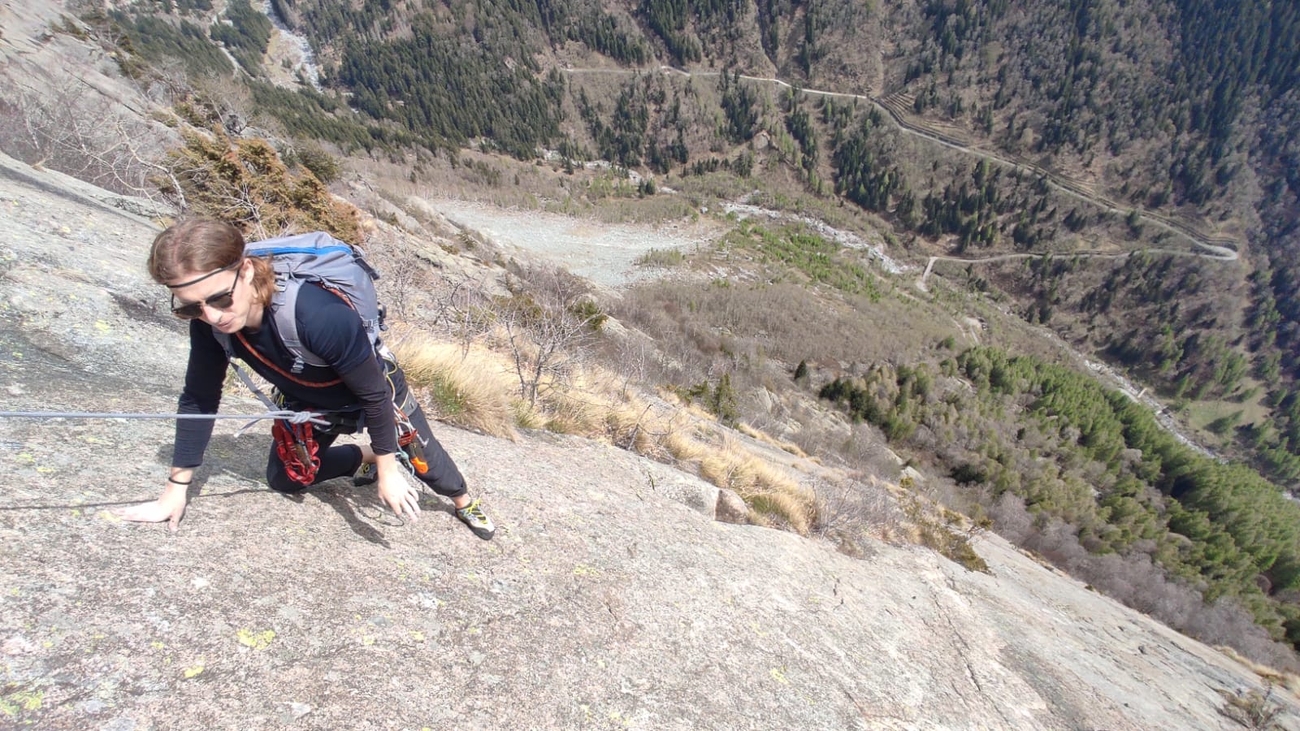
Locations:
column 297, row 448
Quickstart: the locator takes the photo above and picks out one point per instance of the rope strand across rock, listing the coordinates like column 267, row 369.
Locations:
column 293, row 417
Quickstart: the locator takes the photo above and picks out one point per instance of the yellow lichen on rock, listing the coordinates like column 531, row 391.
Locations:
column 255, row 640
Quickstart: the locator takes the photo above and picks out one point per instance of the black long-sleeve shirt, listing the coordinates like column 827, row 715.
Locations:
column 330, row 329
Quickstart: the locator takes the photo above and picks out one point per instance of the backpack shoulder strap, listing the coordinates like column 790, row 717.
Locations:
column 284, row 309
column 224, row 340
column 284, row 305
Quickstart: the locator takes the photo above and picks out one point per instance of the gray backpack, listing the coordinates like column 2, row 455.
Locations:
column 323, row 260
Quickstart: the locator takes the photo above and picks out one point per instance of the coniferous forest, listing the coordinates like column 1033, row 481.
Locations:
column 1095, row 460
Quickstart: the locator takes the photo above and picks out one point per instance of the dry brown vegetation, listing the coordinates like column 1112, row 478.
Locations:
column 244, row 182
column 465, row 386
column 475, row 389
column 1252, row 709
column 1272, row 676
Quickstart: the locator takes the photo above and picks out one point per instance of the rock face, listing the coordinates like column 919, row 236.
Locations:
column 608, row 599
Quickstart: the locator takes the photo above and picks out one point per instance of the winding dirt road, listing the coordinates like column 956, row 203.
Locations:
column 1082, row 254
column 1212, row 247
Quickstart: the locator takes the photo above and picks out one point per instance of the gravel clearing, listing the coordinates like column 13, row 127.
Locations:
column 605, row 253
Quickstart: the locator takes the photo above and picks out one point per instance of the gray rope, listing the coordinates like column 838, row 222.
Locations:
column 293, row 417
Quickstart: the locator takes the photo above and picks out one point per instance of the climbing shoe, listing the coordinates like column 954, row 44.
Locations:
column 473, row 516
column 367, row 475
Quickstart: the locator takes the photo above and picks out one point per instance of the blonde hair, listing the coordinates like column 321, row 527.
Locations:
column 263, row 279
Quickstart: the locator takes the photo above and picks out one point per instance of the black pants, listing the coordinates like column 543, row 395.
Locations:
column 442, row 476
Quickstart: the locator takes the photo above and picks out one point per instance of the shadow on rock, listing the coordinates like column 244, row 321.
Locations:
column 357, row 508
column 243, row 457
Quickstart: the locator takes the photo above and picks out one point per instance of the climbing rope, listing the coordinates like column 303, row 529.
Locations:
column 293, row 417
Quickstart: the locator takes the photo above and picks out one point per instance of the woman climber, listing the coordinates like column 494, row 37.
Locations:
column 235, row 305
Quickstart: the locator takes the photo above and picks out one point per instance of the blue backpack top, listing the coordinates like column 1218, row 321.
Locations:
column 323, row 260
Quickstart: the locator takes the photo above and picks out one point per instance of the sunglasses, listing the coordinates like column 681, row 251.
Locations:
column 218, row 301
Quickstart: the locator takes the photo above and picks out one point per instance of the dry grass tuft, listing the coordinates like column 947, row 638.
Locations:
column 581, row 404
column 685, row 448
column 469, row 388
column 526, row 417
column 644, row 428
column 765, row 488
column 1273, row 676
column 766, row 438
column 571, row 411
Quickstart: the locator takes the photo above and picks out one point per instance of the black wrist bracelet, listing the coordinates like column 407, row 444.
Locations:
column 178, row 482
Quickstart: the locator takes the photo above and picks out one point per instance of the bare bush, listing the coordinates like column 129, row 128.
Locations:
column 1056, row 541
column 848, row 512
column 1252, row 709
column 462, row 308
column 403, row 274
column 944, row 531
column 223, row 101
column 77, row 131
column 1137, row 582
column 965, row 499
column 865, row 449
column 1010, row 519
column 635, row 359
column 1226, row 622
column 547, row 325
column 817, row 430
